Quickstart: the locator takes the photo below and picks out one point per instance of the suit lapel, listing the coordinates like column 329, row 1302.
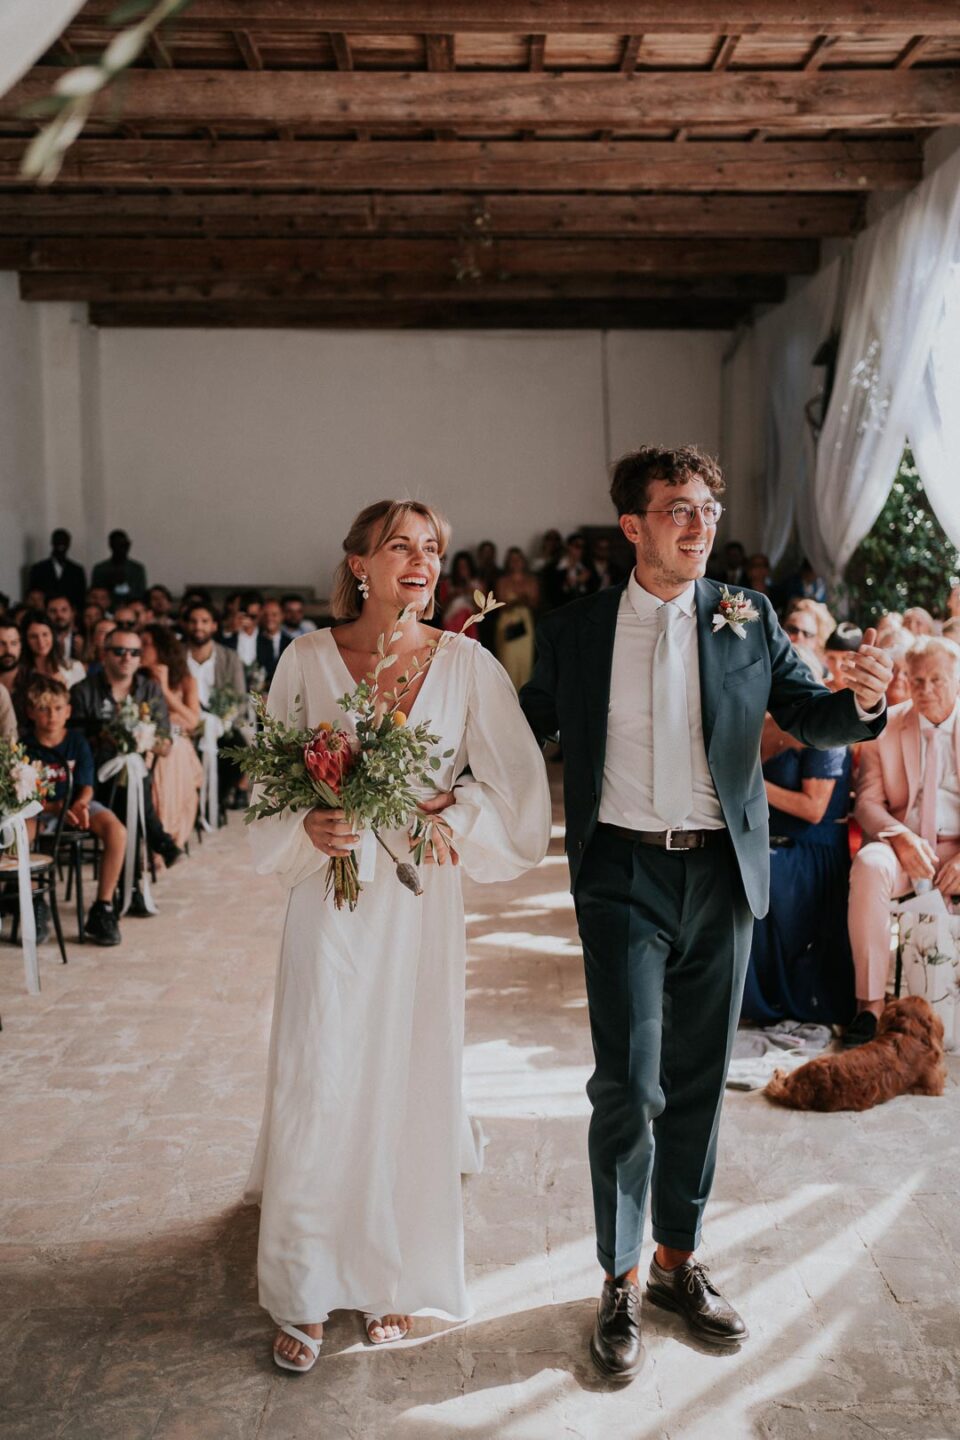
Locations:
column 713, row 654
column 910, row 739
column 598, row 630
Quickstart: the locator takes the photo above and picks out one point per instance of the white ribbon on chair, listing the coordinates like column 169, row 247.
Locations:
column 136, row 822
column 13, row 828
column 213, row 729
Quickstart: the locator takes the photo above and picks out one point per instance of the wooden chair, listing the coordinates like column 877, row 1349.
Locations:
column 43, row 873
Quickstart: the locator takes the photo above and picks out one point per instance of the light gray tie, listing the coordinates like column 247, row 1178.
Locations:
column 672, row 778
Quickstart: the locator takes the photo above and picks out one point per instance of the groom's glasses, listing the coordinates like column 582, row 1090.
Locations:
column 683, row 512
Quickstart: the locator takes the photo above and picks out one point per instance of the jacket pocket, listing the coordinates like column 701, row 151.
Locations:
column 756, row 810
column 746, row 672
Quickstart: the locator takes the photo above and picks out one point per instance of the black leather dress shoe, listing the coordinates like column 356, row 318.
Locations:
column 860, row 1030
column 615, row 1345
column 688, row 1291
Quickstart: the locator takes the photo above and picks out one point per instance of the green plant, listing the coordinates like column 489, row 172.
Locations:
column 906, row 559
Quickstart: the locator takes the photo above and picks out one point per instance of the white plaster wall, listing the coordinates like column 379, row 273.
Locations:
column 22, row 500
column 242, row 456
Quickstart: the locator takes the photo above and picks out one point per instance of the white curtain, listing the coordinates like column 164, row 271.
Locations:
column 893, row 370
column 788, row 338
column 27, row 29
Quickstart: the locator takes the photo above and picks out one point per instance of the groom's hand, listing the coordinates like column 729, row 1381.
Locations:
column 869, row 672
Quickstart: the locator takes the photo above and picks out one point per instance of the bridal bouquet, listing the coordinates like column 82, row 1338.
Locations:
column 371, row 775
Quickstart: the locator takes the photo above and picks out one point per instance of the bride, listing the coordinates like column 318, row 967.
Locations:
column 357, row 1169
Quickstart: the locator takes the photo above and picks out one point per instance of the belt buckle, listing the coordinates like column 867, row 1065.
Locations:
column 668, row 842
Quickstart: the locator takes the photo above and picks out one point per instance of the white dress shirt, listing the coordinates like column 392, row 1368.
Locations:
column 948, row 786
column 203, row 674
column 247, row 647
column 627, row 795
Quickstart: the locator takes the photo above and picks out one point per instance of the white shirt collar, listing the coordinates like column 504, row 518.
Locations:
column 946, row 727
column 646, row 605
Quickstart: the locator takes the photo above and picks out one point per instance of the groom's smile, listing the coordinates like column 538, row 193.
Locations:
column 670, row 555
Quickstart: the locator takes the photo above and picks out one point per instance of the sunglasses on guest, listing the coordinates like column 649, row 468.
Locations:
column 119, row 650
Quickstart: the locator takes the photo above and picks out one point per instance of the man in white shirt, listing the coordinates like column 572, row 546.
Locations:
column 908, row 804
column 658, row 689
column 294, row 622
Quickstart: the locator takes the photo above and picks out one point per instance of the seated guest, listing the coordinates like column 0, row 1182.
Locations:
column 519, row 592
column 822, row 621
column 951, row 629
column 294, row 622
column 100, row 595
column 455, row 591
column 124, row 579
column 43, row 650
column 551, row 549
column 57, row 575
column 63, row 618
column 160, row 604
column 127, row 617
column 271, row 641
column 96, row 701
column 177, row 774
column 757, row 573
column 11, row 650
column 890, row 629
column 805, row 584
column 214, row 667
column 244, row 639
column 800, row 958
column 93, row 653
column 8, row 716
column 908, row 804
column 571, row 577
column 50, row 741
column 845, row 640
column 899, row 688
column 729, row 564
column 918, row 621
column 607, row 571
column 91, row 614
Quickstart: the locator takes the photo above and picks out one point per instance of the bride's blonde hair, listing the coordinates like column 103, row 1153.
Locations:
column 373, row 528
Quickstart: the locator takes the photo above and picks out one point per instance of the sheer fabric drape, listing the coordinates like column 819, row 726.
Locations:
column 27, row 29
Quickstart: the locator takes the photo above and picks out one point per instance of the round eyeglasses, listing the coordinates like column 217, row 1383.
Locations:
column 683, row 512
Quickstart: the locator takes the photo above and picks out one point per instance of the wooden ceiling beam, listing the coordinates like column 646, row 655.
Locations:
column 795, row 100
column 350, row 315
column 746, row 289
column 412, row 17
column 533, row 166
column 350, row 256
column 199, row 216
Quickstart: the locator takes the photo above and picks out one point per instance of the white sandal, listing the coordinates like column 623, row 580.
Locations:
column 307, row 1340
column 369, row 1320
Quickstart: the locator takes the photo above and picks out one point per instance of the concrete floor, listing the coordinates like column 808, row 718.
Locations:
column 131, row 1093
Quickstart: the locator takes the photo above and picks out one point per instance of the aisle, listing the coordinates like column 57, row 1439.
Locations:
column 130, row 1096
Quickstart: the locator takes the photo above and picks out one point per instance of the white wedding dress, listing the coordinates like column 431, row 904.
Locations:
column 357, row 1169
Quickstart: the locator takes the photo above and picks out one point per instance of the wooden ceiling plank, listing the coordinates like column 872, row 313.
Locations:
column 411, row 17
column 247, row 46
column 397, row 166
column 536, row 256
column 794, row 100
column 342, row 52
column 538, row 45
column 630, row 58
column 725, row 51
column 277, row 214
column 819, row 52
column 911, row 52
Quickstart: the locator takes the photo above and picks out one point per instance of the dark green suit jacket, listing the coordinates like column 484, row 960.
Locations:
column 740, row 679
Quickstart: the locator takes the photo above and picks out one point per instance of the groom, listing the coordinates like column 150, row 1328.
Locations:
column 660, row 717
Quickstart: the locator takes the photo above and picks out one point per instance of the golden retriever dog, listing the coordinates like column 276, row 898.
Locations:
column 905, row 1057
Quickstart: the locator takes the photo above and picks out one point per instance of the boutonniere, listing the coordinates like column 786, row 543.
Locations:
column 735, row 611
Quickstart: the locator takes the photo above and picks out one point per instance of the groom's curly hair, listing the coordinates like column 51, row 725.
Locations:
column 630, row 483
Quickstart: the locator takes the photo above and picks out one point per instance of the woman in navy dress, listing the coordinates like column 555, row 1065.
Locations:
column 800, row 963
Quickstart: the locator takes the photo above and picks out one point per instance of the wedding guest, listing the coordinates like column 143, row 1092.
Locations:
column 487, row 569
column 294, row 621
column 63, row 618
column 899, row 688
column 800, row 616
column 271, row 641
column 551, row 551
column 805, row 584
column 11, row 653
column 35, row 600
column 51, row 742
column 212, row 665
column 100, row 595
column 519, row 593
column 244, row 638
column 123, row 578
column 890, row 631
column 571, row 578
column 92, row 612
column 57, row 575
column 800, row 966
column 845, row 640
column 95, row 702
column 729, row 567
column 8, row 716
column 43, row 650
column 93, row 653
column 951, row 629
column 918, row 621
column 606, row 570
column 177, row 774
column 342, row 1169
column 908, row 804
column 230, row 614
column 127, row 617
column 455, row 592
column 757, row 573
column 160, row 602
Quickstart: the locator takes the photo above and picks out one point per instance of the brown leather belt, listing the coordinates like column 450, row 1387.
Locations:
column 665, row 839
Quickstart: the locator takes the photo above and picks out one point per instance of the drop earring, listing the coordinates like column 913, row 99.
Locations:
column 364, row 586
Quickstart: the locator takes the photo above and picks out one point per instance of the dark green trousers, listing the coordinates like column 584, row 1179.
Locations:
column 666, row 939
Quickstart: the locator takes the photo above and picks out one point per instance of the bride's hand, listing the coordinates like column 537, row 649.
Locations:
column 329, row 832
column 435, row 803
column 439, row 847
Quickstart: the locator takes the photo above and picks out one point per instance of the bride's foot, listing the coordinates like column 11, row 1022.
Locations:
column 381, row 1329
column 294, row 1354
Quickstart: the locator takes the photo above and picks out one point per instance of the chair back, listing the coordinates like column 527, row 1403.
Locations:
column 62, row 817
